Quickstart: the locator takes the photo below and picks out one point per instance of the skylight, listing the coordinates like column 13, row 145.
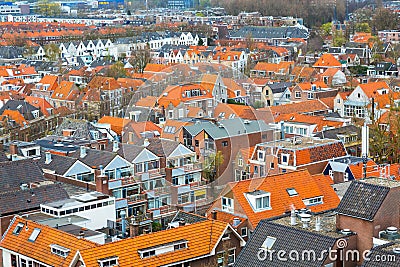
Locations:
column 268, row 243
column 291, row 192
column 34, row 234
column 18, row 228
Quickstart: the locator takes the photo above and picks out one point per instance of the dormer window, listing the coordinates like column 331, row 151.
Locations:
column 163, row 248
column 59, row 250
column 261, row 155
column 313, row 201
column 108, row 262
column 227, row 204
column 259, row 200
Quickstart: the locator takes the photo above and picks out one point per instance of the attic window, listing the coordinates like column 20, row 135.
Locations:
column 163, row 248
column 268, row 243
column 108, row 262
column 59, row 250
column 291, row 192
column 34, row 235
column 18, row 228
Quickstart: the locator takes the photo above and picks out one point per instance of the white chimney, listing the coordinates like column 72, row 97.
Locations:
column 83, row 152
column 318, row 224
column 48, row 158
column 365, row 141
column 146, row 142
column 305, row 219
column 115, row 146
column 293, row 217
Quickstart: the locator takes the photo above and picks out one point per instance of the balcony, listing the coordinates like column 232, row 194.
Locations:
column 192, row 166
column 136, row 198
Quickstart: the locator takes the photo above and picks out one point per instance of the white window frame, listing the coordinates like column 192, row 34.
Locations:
column 229, row 204
column 287, row 159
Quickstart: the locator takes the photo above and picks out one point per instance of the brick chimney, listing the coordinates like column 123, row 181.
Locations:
column 133, row 229
column 214, row 214
column 13, row 149
column 101, row 182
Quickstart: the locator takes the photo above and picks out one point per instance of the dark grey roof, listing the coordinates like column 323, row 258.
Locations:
column 160, row 147
column 11, row 52
column 189, row 218
column 334, row 50
column 13, row 202
column 386, row 252
column 287, row 239
column 15, row 173
column 59, row 164
column 82, row 128
column 260, row 32
column 22, row 107
column 279, row 87
column 129, row 151
column 94, row 158
column 363, row 200
column 333, row 133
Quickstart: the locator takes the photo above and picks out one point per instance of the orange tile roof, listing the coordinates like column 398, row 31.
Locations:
column 319, row 121
column 306, row 185
column 329, row 101
column 232, row 86
column 40, row 249
column 140, row 127
column 307, row 85
column 241, row 111
column 308, row 106
column 370, row 89
column 175, row 94
column 202, row 238
column 285, row 65
column 152, row 67
column 178, row 128
column 40, row 103
column 64, row 91
column 193, row 112
column 15, row 115
column 358, row 169
column 128, row 82
column 148, row 101
column 247, row 153
column 51, row 80
column 103, row 83
column 303, row 71
column 117, row 124
column 327, row 60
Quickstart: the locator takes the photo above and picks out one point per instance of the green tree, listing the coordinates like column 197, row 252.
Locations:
column 212, row 165
column 362, row 27
column 52, row 51
column 117, row 70
column 140, row 58
column 326, row 29
column 338, row 38
column 47, row 8
column 385, row 19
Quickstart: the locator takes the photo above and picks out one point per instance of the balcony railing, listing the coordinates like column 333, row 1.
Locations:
column 136, row 198
column 192, row 166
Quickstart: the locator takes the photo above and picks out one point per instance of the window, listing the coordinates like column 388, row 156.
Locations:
column 231, row 257
column 262, row 203
column 34, row 235
column 227, row 204
column 310, row 95
column 109, row 262
column 285, row 159
column 240, row 162
column 346, row 176
column 180, row 246
column 297, row 94
column 291, row 192
column 224, row 143
column 243, row 231
column 271, row 165
column 268, row 243
column 261, row 155
column 331, row 173
column 312, row 201
column 18, row 228
column 59, row 250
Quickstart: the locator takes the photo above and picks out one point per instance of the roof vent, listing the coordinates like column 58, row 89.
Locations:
column 390, row 233
column 346, row 231
column 305, row 219
column 246, row 122
column 236, row 222
column 396, row 250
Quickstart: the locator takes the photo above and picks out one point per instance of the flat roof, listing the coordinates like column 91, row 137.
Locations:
column 300, row 143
